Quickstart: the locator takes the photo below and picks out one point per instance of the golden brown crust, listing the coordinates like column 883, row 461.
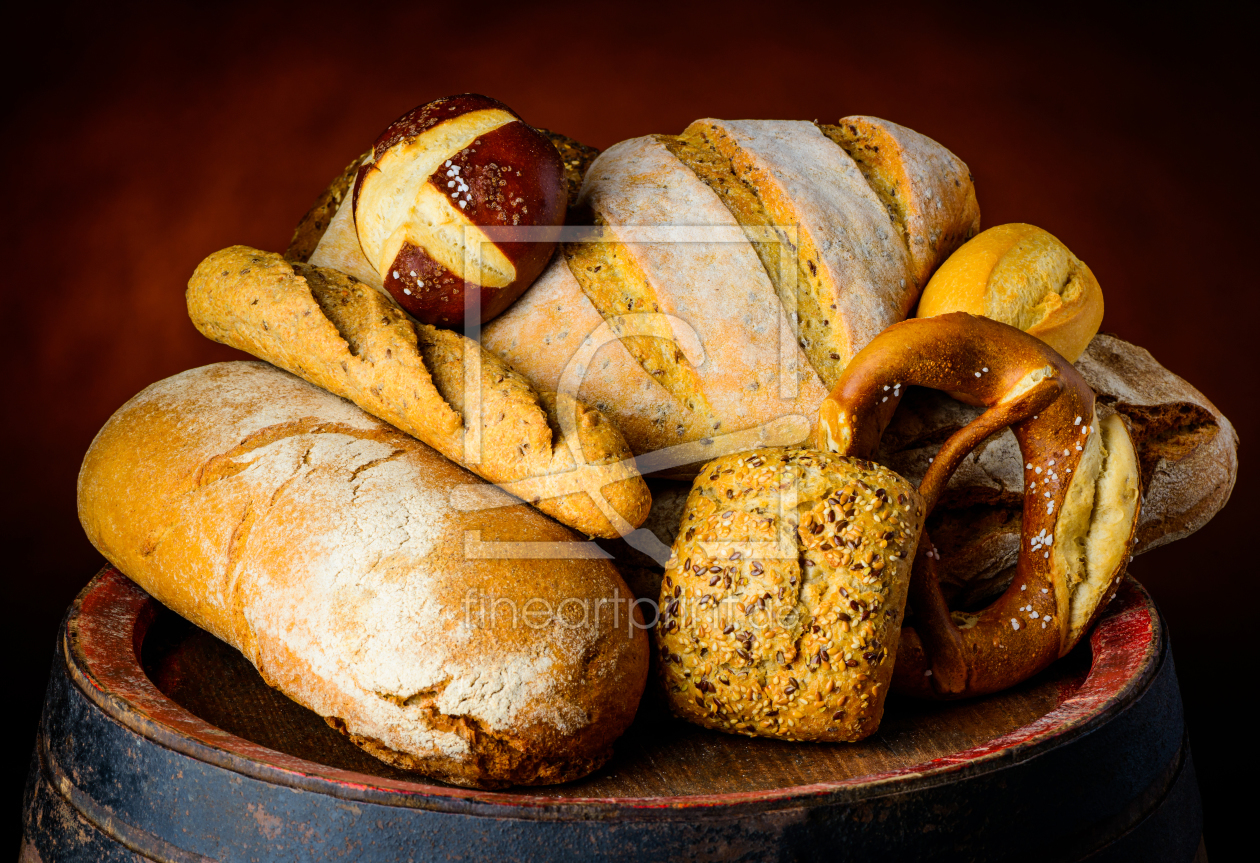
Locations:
column 1023, row 276
column 349, row 339
column 782, row 602
column 322, row 543
column 310, row 230
column 1081, row 501
column 1186, row 448
column 928, row 191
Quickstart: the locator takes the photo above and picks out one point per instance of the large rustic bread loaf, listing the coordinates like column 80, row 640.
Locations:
column 835, row 230
column 320, row 542
column 342, row 335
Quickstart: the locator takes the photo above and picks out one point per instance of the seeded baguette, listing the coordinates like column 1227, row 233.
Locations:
column 724, row 359
column 346, row 337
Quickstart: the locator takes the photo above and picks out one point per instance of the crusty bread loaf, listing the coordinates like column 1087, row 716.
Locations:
column 782, row 603
column 1187, row 452
column 320, row 542
column 835, row 247
column 342, row 335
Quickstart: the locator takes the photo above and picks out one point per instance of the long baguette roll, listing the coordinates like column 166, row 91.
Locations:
column 342, row 335
column 320, row 543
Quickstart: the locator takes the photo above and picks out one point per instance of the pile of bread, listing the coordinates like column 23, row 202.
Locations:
column 392, row 519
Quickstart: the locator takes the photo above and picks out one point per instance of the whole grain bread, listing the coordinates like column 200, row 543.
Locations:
column 348, row 338
column 782, row 604
column 792, row 245
column 321, row 543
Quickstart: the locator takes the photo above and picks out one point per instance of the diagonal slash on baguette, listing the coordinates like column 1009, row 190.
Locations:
column 784, row 431
column 340, row 334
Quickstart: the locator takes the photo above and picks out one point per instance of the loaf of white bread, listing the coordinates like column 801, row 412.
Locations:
column 321, row 543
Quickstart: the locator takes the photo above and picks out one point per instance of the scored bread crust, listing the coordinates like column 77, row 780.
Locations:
column 853, row 264
column 716, row 290
column 348, row 338
column 928, row 190
column 320, row 542
column 748, row 174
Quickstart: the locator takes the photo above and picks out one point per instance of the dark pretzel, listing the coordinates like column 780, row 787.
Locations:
column 1081, row 496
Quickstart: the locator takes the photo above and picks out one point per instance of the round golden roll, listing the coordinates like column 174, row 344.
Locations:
column 1023, row 276
column 781, row 606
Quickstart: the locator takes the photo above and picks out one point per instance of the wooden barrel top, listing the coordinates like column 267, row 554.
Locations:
column 161, row 680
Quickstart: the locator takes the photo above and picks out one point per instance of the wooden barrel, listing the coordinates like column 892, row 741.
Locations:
column 158, row 740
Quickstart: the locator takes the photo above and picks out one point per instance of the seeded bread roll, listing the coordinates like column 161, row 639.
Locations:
column 348, row 338
column 786, row 254
column 781, row 607
column 320, row 542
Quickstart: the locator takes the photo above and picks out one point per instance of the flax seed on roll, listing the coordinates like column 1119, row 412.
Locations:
column 1023, row 276
column 781, row 607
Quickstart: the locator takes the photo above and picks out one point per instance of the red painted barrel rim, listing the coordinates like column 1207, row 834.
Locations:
column 109, row 619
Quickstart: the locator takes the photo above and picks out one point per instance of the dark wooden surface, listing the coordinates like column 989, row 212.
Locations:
column 1095, row 747
column 658, row 757
column 138, row 138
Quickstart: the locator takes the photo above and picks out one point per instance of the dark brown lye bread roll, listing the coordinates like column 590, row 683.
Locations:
column 320, row 542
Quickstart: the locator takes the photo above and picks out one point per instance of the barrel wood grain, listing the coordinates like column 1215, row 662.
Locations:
column 160, row 740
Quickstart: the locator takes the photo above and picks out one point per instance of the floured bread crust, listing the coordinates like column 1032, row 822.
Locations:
column 321, row 543
column 755, row 330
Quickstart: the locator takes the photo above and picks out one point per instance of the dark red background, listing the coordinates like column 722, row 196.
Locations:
column 136, row 143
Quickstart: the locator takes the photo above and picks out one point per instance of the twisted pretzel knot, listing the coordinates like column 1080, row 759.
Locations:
column 1081, row 495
